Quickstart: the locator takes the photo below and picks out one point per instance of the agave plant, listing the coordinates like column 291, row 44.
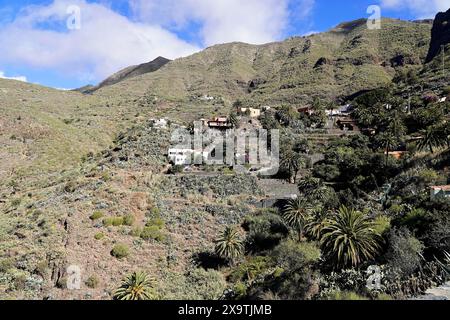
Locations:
column 296, row 213
column 229, row 246
column 137, row 286
column 349, row 237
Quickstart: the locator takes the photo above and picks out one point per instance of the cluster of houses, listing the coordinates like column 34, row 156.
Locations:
column 341, row 116
column 186, row 156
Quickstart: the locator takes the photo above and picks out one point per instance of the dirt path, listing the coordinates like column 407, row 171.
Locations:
column 440, row 293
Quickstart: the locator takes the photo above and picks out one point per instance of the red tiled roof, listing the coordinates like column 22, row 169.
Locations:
column 444, row 188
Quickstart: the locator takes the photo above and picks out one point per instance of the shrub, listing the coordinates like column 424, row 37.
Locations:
column 96, row 215
column 152, row 233
column 42, row 268
column 154, row 212
column 70, row 187
column 382, row 224
column 292, row 255
column 128, row 220
column 120, row 251
column 6, row 264
column 345, row 295
column 16, row 202
column 405, row 251
column 92, row 282
column 428, row 176
column 206, row 285
column 157, row 222
column 176, row 169
column 113, row 221
column 99, row 236
column 250, row 269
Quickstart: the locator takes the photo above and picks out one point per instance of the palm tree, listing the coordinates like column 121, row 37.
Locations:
column 296, row 213
column 349, row 237
column 387, row 141
column 313, row 189
column 137, row 286
column 316, row 223
column 433, row 137
column 292, row 162
column 229, row 246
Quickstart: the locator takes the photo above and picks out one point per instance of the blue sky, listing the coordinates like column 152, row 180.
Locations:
column 36, row 43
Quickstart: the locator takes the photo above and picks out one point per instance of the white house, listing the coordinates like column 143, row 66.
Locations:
column 161, row 123
column 180, row 157
column 207, row 98
column 184, row 157
column 253, row 113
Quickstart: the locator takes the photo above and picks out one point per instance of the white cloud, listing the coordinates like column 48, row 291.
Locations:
column 105, row 43
column 18, row 78
column 420, row 8
column 220, row 21
column 108, row 41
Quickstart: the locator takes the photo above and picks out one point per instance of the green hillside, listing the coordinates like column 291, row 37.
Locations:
column 340, row 62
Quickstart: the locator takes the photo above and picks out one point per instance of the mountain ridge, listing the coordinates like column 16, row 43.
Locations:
column 127, row 73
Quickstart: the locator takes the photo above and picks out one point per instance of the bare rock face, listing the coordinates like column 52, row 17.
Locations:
column 440, row 34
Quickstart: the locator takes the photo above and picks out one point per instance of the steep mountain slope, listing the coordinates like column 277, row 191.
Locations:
column 47, row 206
column 340, row 62
column 436, row 73
column 43, row 130
column 128, row 73
column 440, row 34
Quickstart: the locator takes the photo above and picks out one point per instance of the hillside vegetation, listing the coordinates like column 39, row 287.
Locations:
column 85, row 181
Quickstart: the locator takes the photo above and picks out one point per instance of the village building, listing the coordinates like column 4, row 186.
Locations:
column 347, row 124
column 160, row 123
column 397, row 154
column 342, row 111
column 220, row 123
column 252, row 112
column 184, row 157
column 440, row 192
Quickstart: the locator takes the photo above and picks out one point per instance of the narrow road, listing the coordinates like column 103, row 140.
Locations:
column 440, row 293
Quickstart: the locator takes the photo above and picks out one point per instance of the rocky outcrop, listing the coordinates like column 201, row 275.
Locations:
column 403, row 60
column 440, row 34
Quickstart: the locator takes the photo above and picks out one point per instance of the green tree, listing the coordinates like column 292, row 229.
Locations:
column 233, row 119
column 349, row 238
column 314, row 189
column 291, row 162
column 434, row 136
column 229, row 245
column 316, row 223
column 296, row 213
column 387, row 141
column 137, row 286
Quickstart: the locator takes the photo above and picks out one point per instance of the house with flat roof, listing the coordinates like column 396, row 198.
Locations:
column 252, row 112
column 220, row 123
